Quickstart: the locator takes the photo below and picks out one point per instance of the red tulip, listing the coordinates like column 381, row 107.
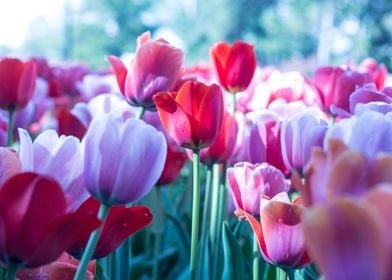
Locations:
column 35, row 225
column 234, row 64
column 17, row 82
column 193, row 115
column 120, row 223
column 69, row 124
column 175, row 160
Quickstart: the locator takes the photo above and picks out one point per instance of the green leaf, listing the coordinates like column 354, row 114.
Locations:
column 234, row 262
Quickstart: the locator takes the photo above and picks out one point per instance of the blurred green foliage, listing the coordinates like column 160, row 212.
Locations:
column 317, row 32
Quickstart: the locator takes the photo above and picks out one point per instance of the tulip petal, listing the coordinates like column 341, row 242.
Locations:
column 282, row 230
column 258, row 231
column 149, row 151
column 120, row 71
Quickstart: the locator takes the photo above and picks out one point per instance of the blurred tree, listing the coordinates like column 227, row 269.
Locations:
column 108, row 27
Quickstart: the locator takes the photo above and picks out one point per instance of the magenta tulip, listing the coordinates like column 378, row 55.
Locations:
column 17, row 82
column 36, row 226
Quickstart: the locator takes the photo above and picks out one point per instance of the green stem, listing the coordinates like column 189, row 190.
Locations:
column 256, row 258
column 140, row 113
column 195, row 213
column 11, row 272
column 206, row 211
column 207, row 199
column 233, row 103
column 10, row 133
column 112, row 265
column 121, row 263
column 290, row 274
column 222, row 204
column 91, row 244
column 214, row 204
column 158, row 235
column 281, row 274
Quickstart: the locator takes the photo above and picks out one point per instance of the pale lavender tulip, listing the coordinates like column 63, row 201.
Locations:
column 370, row 133
column 298, row 136
column 368, row 94
column 123, row 160
column 249, row 182
column 58, row 157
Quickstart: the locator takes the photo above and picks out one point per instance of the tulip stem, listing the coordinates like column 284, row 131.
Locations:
column 91, row 244
column 140, row 113
column 195, row 212
column 214, row 204
column 233, row 103
column 281, row 274
column 206, row 210
column 158, row 235
column 11, row 272
column 121, row 256
column 256, row 259
column 10, row 133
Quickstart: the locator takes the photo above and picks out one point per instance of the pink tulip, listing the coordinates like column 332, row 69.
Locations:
column 279, row 232
column 155, row 68
column 248, row 183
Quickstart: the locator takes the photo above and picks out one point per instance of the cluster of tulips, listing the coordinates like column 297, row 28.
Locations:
column 290, row 176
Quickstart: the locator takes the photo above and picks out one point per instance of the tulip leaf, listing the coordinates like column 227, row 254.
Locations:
column 233, row 266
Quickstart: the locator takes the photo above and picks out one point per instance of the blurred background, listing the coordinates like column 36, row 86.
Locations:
column 298, row 35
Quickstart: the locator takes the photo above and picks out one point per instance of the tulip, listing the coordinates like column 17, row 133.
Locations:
column 155, row 68
column 369, row 133
column 340, row 171
column 174, row 163
column 265, row 144
column 193, row 115
column 347, row 239
column 36, row 227
column 279, row 232
column 223, row 146
column 114, row 178
column 241, row 148
column 298, row 136
column 249, row 182
column 235, row 64
column 57, row 157
column 120, row 223
column 337, row 84
column 69, row 124
column 17, row 81
column 379, row 72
